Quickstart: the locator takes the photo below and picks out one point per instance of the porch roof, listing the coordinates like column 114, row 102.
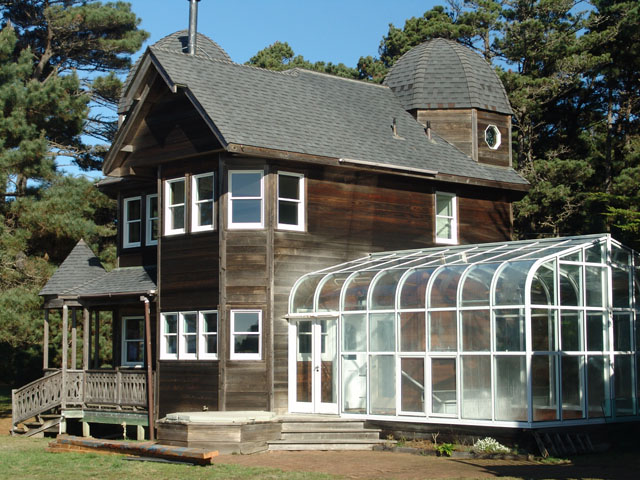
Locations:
column 81, row 266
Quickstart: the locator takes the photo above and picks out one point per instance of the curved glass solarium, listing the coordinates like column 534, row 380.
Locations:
column 513, row 333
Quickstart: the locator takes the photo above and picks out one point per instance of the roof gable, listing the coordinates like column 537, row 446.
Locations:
column 80, row 266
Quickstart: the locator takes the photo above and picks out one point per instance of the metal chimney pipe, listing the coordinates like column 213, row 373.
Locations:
column 193, row 26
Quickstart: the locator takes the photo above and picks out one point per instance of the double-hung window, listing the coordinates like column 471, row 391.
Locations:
column 132, row 220
column 246, row 335
column 175, row 199
column 152, row 220
column 290, row 201
column 132, row 341
column 202, row 202
column 246, row 199
column 189, row 335
column 446, row 218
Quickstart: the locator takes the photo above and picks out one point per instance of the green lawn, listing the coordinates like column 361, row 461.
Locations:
column 27, row 458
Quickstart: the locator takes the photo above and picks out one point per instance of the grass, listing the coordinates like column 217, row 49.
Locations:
column 27, row 458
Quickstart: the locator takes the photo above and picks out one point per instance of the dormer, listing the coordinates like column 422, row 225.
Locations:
column 448, row 87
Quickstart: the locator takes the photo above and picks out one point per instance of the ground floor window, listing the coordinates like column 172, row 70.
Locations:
column 246, row 335
column 191, row 335
column 132, row 341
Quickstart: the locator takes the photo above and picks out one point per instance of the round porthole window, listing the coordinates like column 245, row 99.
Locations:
column 492, row 137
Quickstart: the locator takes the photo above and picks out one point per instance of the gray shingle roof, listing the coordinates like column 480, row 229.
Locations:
column 80, row 266
column 312, row 113
column 444, row 74
column 125, row 280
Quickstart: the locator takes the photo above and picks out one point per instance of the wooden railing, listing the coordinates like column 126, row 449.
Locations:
column 92, row 387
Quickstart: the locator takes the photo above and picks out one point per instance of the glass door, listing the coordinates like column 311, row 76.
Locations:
column 316, row 366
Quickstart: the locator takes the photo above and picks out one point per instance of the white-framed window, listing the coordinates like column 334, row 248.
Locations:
column 492, row 137
column 132, row 341
column 246, row 199
column 246, row 335
column 132, row 221
column 152, row 220
column 208, row 335
column 290, row 201
column 446, row 218
column 175, row 203
column 202, row 190
column 189, row 335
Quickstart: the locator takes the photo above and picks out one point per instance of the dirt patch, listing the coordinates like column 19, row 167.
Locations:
column 404, row 466
column 5, row 425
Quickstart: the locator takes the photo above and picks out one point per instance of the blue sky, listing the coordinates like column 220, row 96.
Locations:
column 329, row 30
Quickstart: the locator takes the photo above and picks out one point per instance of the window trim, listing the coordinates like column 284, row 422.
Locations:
column 453, row 218
column 181, row 336
column 124, row 340
column 167, row 207
column 195, row 227
column 496, row 130
column 149, row 220
column 300, row 226
column 231, row 198
column 126, row 222
column 245, row 356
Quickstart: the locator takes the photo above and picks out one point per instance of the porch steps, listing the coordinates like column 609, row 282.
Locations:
column 324, row 433
column 39, row 426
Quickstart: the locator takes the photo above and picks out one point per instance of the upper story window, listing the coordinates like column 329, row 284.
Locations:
column 132, row 341
column 202, row 190
column 132, row 221
column 492, row 137
column 175, row 199
column 246, row 199
column 246, row 335
column 152, row 220
column 446, row 218
column 189, row 335
column 290, row 201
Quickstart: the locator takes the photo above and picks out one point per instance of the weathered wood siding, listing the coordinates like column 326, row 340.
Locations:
column 187, row 386
column 502, row 155
column 455, row 126
column 144, row 254
column 484, row 215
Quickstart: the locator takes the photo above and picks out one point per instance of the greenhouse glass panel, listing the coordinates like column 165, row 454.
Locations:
column 382, row 385
column 572, row 387
column 510, row 286
column 354, row 383
column 443, row 331
column 476, row 387
column 383, row 295
column 509, row 330
column 597, row 333
column 572, row 257
column 412, row 332
column 543, row 285
column 596, row 286
column 543, row 330
column 476, row 288
column 414, row 289
column 596, row 254
column 412, row 385
column 354, row 332
column 443, row 386
column 571, row 330
column 511, row 387
column 476, row 330
column 304, row 294
column 597, row 397
column 444, row 289
column 622, row 332
column 356, row 290
column 382, row 336
column 570, row 285
column 620, row 256
column 623, row 379
column 543, row 379
column 621, row 290
column 330, row 288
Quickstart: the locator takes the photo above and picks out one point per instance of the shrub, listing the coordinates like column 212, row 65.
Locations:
column 489, row 445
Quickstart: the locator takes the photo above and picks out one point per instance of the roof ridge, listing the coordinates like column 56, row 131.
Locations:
column 330, row 75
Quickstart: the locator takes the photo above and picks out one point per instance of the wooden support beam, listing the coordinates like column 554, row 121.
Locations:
column 86, row 327
column 74, row 338
column 45, row 341
column 147, row 359
column 96, row 339
column 65, row 352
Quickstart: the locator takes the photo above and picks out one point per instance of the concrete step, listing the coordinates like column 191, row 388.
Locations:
column 347, row 444
column 299, row 426
column 331, row 435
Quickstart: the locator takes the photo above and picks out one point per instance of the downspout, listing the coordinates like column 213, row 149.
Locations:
column 150, row 385
column 193, row 26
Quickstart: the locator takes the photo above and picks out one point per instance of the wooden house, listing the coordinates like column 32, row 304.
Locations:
column 239, row 191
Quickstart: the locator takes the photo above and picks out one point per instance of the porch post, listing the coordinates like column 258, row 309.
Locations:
column 74, row 343
column 85, row 338
column 65, row 352
column 96, row 340
column 45, row 341
column 147, row 357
